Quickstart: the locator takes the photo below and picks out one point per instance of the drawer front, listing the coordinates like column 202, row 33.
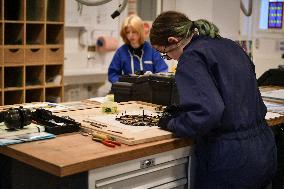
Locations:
column 128, row 171
column 136, row 164
column 14, row 55
column 168, row 177
column 54, row 55
column 35, row 55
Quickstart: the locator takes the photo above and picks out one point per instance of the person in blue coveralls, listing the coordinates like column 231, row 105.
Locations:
column 136, row 55
column 220, row 104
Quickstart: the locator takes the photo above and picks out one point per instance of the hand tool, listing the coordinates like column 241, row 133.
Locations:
column 104, row 142
column 105, row 139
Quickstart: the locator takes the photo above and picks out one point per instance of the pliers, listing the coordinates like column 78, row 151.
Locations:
column 107, row 142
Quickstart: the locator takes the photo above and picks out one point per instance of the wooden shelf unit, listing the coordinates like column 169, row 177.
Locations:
column 31, row 51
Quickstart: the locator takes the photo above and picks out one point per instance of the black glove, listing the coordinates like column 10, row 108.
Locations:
column 164, row 120
column 169, row 113
column 174, row 110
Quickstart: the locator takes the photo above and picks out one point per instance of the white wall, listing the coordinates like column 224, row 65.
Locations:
column 224, row 13
column 81, row 31
column 85, row 70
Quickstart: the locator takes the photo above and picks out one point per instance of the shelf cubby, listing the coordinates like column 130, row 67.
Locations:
column 53, row 75
column 53, row 94
column 55, row 11
column 13, row 55
column 13, row 34
column 54, row 54
column 13, row 77
column 34, row 55
column 14, row 10
column 35, row 34
column 34, row 95
column 34, row 75
column 35, row 10
column 13, row 97
column 54, row 34
column 1, row 11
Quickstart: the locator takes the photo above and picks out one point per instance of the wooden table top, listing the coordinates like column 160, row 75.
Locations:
column 74, row 153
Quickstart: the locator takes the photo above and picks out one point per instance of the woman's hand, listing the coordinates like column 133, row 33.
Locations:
column 169, row 113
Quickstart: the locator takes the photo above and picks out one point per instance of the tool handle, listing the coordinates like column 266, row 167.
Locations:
column 98, row 135
column 113, row 142
column 108, row 144
column 97, row 139
column 103, row 142
column 103, row 136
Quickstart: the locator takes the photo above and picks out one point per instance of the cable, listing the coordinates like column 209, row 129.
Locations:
column 93, row 3
column 116, row 13
column 248, row 11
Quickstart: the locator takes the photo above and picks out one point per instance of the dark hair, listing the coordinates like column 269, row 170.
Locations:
column 176, row 24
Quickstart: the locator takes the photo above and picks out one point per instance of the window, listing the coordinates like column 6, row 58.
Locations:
column 271, row 14
column 275, row 14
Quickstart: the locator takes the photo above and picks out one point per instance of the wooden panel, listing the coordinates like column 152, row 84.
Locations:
column 131, row 135
column 126, row 134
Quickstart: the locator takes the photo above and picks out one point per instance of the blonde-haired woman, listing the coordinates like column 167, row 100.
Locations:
column 136, row 55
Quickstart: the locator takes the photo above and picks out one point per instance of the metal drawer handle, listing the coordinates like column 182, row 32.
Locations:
column 147, row 163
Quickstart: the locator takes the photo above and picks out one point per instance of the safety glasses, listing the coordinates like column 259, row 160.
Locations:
column 165, row 55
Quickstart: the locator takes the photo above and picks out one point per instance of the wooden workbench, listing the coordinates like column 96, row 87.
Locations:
column 74, row 153
column 67, row 159
column 71, row 156
column 64, row 162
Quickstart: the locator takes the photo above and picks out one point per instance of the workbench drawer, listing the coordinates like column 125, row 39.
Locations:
column 164, row 170
column 151, row 178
